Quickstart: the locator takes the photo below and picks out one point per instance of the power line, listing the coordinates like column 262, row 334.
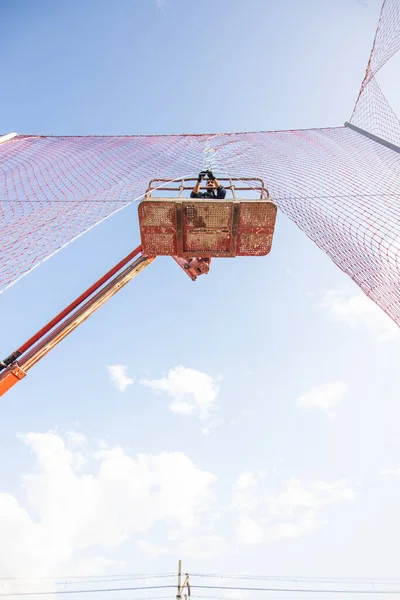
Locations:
column 116, row 577
column 293, row 578
column 80, row 579
column 63, row 579
column 209, row 597
column 89, row 591
column 196, row 597
column 204, row 587
column 295, row 590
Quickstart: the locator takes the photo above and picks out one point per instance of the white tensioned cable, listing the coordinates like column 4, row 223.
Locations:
column 209, row 155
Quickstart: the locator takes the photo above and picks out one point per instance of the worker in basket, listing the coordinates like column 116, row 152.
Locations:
column 201, row 265
column 213, row 186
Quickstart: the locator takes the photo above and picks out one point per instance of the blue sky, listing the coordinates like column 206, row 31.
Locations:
column 296, row 468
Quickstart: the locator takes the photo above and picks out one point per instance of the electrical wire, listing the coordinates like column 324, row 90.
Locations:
column 63, row 579
column 294, row 590
column 204, row 587
column 293, row 578
column 88, row 591
column 67, row 579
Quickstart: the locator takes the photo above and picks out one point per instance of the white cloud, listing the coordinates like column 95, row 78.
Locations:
column 199, row 546
column 245, row 490
column 67, row 512
column 357, row 310
column 203, row 546
column 102, row 444
column 151, row 550
column 244, row 481
column 161, row 3
column 75, row 439
column 96, row 565
column 395, row 471
column 193, row 392
column 244, row 414
column 306, row 523
column 314, row 497
column 247, row 480
column 265, row 515
column 325, row 397
column 119, row 377
column 210, row 425
column 69, row 515
column 248, row 531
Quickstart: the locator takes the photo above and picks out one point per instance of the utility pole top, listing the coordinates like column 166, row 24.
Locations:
column 185, row 585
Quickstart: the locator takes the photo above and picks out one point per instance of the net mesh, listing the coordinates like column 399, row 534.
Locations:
column 341, row 188
column 372, row 111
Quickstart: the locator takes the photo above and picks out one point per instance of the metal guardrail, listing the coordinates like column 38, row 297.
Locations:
column 180, row 186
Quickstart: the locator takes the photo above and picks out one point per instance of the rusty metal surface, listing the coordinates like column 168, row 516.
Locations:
column 194, row 267
column 203, row 228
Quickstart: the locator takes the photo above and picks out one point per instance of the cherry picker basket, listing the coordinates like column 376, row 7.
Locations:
column 187, row 227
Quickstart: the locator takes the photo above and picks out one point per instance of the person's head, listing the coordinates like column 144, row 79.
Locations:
column 210, row 185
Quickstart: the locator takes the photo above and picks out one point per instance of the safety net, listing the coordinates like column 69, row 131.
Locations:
column 340, row 187
column 372, row 110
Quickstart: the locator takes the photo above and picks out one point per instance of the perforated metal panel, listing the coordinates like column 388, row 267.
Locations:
column 254, row 244
column 210, row 216
column 204, row 228
column 158, row 216
column 160, row 244
column 257, row 214
column 213, row 244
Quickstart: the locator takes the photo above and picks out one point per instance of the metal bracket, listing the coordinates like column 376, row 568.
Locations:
column 373, row 137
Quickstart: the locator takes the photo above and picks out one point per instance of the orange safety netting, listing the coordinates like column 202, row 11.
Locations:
column 341, row 188
column 372, row 111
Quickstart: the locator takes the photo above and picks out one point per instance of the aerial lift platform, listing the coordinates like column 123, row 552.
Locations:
column 191, row 231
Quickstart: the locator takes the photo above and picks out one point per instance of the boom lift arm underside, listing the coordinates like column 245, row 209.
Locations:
column 15, row 367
